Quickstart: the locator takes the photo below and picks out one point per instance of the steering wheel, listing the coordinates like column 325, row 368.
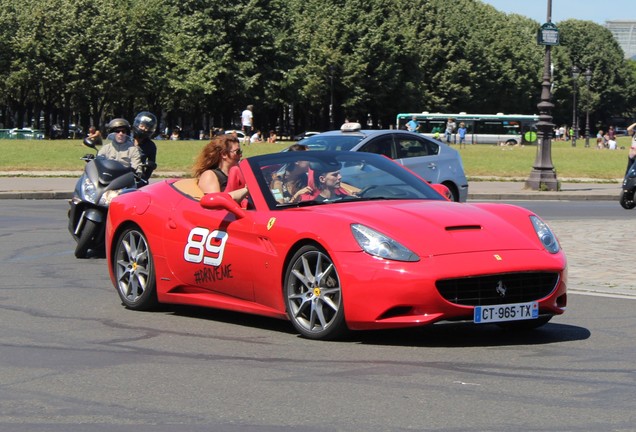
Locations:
column 366, row 189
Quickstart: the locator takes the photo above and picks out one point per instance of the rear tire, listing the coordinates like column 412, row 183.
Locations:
column 454, row 195
column 134, row 270
column 86, row 239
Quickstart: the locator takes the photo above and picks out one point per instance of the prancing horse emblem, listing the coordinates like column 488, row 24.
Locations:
column 501, row 289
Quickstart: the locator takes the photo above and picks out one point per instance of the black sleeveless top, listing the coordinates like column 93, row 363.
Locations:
column 222, row 178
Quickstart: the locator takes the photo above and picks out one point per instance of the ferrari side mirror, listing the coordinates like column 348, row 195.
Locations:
column 222, row 201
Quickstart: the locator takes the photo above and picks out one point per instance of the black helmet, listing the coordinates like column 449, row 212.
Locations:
column 118, row 123
column 145, row 125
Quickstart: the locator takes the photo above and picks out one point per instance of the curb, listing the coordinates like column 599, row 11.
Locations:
column 541, row 197
column 39, row 195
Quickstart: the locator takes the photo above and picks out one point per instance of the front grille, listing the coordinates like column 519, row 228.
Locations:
column 498, row 289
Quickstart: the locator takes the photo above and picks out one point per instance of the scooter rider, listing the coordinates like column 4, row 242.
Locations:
column 631, row 130
column 121, row 147
column 144, row 128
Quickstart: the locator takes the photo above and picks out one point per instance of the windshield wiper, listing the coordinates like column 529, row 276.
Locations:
column 300, row 204
column 381, row 198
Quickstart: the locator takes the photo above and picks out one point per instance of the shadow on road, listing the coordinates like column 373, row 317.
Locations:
column 453, row 335
column 472, row 335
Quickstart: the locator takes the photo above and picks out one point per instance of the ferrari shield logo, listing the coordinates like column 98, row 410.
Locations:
column 270, row 223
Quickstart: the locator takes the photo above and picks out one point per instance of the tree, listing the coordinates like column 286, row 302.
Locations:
column 586, row 44
column 199, row 63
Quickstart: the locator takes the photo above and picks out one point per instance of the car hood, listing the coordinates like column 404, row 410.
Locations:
column 439, row 227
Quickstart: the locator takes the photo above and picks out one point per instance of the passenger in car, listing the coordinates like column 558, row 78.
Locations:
column 213, row 165
column 291, row 181
column 328, row 181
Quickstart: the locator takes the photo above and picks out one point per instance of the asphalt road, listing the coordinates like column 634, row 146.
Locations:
column 73, row 359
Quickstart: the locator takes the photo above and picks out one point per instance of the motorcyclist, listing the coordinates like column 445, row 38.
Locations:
column 631, row 157
column 121, row 147
column 144, row 128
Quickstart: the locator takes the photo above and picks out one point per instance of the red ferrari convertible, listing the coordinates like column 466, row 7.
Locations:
column 334, row 241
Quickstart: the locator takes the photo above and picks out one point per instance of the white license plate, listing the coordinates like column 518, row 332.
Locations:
column 506, row 312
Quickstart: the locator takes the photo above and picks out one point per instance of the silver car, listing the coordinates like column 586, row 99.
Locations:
column 431, row 159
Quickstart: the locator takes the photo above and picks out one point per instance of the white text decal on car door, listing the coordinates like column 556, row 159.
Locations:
column 205, row 246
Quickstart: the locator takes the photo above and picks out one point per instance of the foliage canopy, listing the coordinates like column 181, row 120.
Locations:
column 304, row 64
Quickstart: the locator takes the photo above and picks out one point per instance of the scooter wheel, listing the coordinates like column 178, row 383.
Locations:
column 86, row 239
column 627, row 201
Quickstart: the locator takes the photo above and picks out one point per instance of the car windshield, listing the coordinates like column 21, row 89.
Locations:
column 332, row 142
column 300, row 178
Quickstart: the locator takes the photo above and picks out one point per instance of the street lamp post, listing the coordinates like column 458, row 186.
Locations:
column 575, row 128
column 543, row 175
column 331, row 121
column 588, row 77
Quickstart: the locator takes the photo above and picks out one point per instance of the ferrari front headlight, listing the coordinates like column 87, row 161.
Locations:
column 379, row 245
column 545, row 234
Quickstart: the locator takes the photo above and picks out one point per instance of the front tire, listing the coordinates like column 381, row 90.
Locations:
column 313, row 295
column 627, row 200
column 86, row 239
column 134, row 270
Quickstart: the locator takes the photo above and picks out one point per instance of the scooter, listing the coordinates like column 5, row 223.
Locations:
column 102, row 180
column 628, row 189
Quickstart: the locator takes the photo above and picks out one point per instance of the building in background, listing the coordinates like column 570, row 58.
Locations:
column 625, row 34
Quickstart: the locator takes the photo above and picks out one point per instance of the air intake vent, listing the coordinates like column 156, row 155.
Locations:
column 463, row 228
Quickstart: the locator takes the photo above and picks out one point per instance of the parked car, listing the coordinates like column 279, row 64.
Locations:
column 383, row 250
column 74, row 132
column 429, row 158
column 304, row 135
column 25, row 133
column 239, row 134
column 620, row 131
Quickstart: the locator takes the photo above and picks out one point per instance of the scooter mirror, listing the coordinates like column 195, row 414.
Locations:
column 89, row 143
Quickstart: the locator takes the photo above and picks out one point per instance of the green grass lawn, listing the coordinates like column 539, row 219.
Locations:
column 64, row 155
column 479, row 160
column 569, row 162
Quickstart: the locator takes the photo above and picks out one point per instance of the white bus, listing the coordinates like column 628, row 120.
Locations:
column 508, row 129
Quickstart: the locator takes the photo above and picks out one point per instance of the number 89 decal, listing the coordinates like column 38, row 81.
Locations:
column 205, row 246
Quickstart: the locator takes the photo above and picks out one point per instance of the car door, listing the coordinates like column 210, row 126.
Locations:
column 210, row 249
column 382, row 145
column 420, row 155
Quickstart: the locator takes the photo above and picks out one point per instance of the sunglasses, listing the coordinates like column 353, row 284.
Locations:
column 237, row 151
column 118, row 131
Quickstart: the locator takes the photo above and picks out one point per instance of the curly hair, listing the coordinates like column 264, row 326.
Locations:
column 210, row 156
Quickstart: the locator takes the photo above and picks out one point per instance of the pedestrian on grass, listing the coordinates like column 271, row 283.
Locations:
column 247, row 122
column 95, row 136
column 412, row 125
column 462, row 135
column 450, row 130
